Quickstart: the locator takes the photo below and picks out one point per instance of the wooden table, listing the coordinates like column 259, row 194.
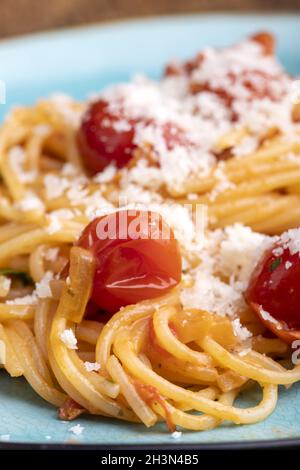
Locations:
column 25, row 16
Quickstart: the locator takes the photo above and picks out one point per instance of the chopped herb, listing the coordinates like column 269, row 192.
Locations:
column 275, row 264
column 22, row 275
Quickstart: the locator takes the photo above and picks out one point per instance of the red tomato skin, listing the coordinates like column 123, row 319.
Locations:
column 130, row 270
column 276, row 288
column 99, row 139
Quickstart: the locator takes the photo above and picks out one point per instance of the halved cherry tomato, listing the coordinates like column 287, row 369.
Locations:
column 105, row 136
column 274, row 293
column 134, row 261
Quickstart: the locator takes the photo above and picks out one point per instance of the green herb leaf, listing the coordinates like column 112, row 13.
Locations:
column 22, row 275
column 275, row 264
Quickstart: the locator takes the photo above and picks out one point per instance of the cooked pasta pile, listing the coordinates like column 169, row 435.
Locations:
column 220, row 131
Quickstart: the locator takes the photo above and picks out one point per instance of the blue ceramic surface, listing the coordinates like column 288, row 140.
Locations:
column 84, row 60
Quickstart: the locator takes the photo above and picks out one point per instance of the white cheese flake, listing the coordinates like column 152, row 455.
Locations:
column 240, row 249
column 291, row 240
column 288, row 265
column 42, row 288
column 106, row 175
column 29, row 203
column 30, row 299
column 176, row 435
column 268, row 317
column 51, row 254
column 5, row 285
column 240, row 331
column 16, row 158
column 55, row 186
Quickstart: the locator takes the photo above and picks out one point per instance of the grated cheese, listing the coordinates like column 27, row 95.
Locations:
column 92, row 366
column 55, row 186
column 291, row 240
column 239, row 251
column 211, row 294
column 228, row 258
column 240, row 331
column 29, row 203
column 223, row 182
column 54, row 224
column 16, row 158
column 67, row 108
column 42, row 288
column 55, row 219
column 202, row 117
column 77, row 429
column 245, row 147
column 51, row 254
column 69, row 169
column 288, row 265
column 268, row 317
column 5, row 285
column 30, row 299
column 42, row 130
column 106, row 175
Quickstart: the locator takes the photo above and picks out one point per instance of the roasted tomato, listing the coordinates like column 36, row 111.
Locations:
column 137, row 258
column 105, row 136
column 273, row 291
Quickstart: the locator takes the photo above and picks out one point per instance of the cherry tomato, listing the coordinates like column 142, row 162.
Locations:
column 274, row 293
column 105, row 136
column 133, row 260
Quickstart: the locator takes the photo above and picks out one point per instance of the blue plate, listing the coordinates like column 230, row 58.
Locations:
column 83, row 60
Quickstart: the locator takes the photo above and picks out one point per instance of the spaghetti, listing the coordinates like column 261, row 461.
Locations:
column 181, row 344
